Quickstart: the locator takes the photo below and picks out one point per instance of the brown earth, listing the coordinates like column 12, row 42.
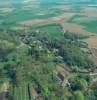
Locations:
column 94, row 51
column 92, row 41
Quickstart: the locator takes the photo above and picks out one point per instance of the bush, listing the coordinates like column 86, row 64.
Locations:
column 78, row 95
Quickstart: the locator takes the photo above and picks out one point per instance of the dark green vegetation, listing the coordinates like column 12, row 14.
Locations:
column 29, row 61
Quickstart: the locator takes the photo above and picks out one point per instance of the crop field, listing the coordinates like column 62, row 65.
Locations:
column 89, row 23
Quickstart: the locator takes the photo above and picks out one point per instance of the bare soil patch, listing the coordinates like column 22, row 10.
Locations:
column 94, row 55
column 92, row 41
column 95, row 52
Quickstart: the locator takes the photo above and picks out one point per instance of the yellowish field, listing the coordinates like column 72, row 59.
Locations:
column 92, row 41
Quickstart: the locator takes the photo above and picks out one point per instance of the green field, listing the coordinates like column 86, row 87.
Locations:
column 52, row 30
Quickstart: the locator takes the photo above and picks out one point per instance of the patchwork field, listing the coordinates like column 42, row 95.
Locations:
column 52, row 20
column 24, row 14
column 80, row 19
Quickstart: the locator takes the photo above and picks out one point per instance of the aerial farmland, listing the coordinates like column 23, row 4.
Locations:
column 48, row 50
